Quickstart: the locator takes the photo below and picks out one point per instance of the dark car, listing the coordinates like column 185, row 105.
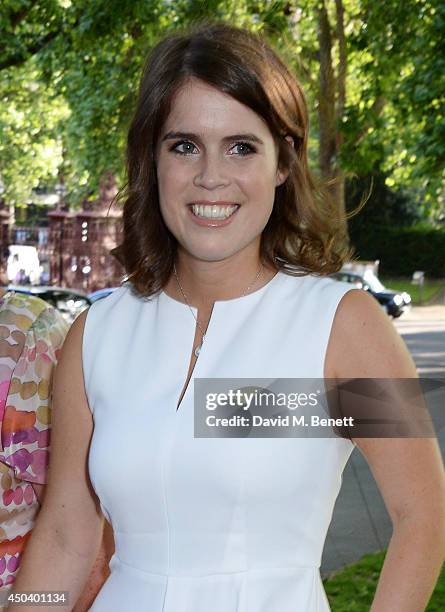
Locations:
column 69, row 302
column 101, row 293
column 394, row 302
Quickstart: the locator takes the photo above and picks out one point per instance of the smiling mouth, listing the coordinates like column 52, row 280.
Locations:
column 214, row 211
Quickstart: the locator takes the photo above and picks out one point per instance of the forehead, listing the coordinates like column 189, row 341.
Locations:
column 201, row 108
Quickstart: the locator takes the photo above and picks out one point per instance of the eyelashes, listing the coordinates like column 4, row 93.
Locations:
column 248, row 149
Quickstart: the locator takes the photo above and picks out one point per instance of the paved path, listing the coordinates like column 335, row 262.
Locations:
column 360, row 523
column 423, row 313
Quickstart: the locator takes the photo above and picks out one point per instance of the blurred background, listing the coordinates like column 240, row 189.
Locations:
column 374, row 77
column 373, row 73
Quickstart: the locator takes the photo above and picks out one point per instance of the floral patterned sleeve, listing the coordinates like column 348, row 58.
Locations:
column 31, row 337
column 27, row 417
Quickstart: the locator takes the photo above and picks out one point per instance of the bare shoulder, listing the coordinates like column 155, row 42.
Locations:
column 76, row 330
column 72, row 347
column 364, row 342
column 69, row 376
column 72, row 422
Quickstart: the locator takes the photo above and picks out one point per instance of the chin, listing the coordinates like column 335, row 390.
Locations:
column 218, row 250
column 211, row 256
column 207, row 252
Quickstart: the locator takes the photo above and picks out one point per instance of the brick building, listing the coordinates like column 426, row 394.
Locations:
column 79, row 243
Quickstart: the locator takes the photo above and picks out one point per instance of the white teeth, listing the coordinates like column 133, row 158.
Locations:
column 213, row 211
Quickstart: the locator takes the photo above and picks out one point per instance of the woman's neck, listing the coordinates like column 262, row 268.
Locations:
column 203, row 283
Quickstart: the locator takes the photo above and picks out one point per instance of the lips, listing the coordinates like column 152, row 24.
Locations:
column 213, row 203
column 205, row 218
column 214, row 211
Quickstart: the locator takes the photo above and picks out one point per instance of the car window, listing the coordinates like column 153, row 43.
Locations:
column 374, row 282
column 63, row 301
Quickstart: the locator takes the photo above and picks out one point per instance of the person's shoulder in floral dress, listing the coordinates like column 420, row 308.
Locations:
column 31, row 336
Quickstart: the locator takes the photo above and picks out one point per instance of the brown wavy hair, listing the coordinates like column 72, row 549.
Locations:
column 303, row 234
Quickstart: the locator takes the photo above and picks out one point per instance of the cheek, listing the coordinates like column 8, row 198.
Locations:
column 259, row 184
column 170, row 190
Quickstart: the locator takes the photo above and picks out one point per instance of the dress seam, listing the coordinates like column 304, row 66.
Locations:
column 252, row 569
column 168, row 531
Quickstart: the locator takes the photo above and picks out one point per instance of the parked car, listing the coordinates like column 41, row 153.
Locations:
column 101, row 293
column 394, row 302
column 69, row 302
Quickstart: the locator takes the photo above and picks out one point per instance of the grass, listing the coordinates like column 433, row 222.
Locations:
column 430, row 289
column 352, row 589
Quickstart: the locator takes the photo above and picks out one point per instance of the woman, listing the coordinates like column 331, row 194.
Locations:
column 227, row 249
column 32, row 334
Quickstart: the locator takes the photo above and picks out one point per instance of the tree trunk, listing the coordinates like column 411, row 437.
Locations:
column 331, row 101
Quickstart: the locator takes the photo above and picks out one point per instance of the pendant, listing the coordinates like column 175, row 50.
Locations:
column 198, row 348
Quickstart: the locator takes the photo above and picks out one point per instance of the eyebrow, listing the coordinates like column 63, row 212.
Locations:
column 190, row 136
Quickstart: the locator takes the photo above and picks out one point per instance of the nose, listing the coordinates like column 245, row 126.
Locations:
column 210, row 173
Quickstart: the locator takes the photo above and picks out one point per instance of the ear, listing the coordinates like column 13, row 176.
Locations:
column 283, row 173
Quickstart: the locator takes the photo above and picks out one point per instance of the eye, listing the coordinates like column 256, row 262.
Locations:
column 247, row 149
column 187, row 147
column 243, row 148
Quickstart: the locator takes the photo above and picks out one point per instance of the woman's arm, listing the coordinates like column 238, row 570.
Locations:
column 409, row 471
column 100, row 570
column 67, row 535
column 99, row 573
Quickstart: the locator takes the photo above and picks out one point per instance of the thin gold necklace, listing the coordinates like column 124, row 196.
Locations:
column 198, row 347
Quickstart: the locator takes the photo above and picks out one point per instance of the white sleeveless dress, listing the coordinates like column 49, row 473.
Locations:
column 209, row 524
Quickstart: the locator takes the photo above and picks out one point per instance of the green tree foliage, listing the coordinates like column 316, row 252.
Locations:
column 70, row 72
column 394, row 121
